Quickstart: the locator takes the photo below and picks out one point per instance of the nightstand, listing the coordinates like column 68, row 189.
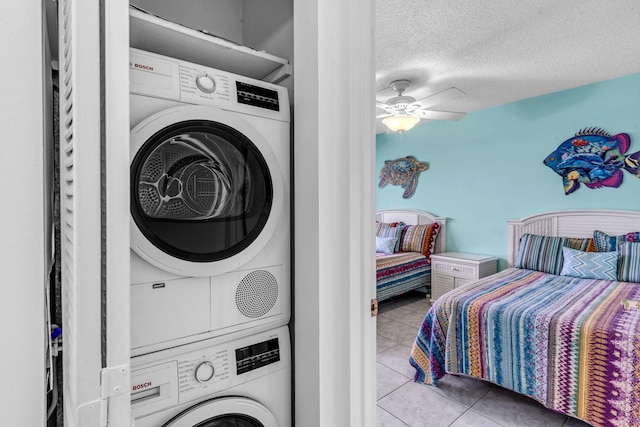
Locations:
column 450, row 270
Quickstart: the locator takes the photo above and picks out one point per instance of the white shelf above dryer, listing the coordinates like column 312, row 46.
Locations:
column 158, row 35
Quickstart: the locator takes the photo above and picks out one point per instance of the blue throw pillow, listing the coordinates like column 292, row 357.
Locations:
column 386, row 245
column 541, row 253
column 606, row 243
column 390, row 229
column 589, row 265
column 629, row 270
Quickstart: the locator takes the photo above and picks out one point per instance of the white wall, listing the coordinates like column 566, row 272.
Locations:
column 268, row 26
column 23, row 229
column 222, row 18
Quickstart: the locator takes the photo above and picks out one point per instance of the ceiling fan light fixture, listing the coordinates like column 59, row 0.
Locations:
column 400, row 123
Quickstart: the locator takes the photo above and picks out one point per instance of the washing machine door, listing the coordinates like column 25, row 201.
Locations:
column 206, row 190
column 225, row 412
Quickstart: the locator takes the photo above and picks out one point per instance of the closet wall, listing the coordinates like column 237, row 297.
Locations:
column 25, row 227
column 222, row 18
column 268, row 26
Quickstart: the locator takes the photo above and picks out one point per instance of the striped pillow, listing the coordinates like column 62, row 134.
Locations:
column 419, row 238
column 584, row 245
column 606, row 243
column 541, row 253
column 629, row 269
column 390, row 229
column 589, row 265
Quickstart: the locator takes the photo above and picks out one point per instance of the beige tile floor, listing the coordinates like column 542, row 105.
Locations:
column 457, row 401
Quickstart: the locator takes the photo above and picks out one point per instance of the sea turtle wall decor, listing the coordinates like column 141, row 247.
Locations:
column 403, row 172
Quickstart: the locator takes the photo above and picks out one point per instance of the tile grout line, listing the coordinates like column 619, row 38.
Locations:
column 401, row 385
column 392, row 368
column 462, row 403
column 469, row 408
column 477, row 413
column 397, row 372
column 403, row 423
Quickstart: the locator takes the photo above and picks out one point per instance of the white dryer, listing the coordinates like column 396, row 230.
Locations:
column 210, row 217
column 243, row 382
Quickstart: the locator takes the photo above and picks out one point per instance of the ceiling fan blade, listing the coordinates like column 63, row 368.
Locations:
column 439, row 115
column 382, row 116
column 382, row 105
column 440, row 97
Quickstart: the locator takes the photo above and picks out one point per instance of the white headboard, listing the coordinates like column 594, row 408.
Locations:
column 572, row 223
column 416, row 217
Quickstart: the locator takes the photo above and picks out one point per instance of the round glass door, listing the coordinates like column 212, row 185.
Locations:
column 234, row 420
column 225, row 412
column 200, row 191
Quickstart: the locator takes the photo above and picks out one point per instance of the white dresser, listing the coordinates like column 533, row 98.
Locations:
column 450, row 270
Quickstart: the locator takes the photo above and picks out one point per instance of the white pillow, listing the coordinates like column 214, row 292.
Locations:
column 385, row 244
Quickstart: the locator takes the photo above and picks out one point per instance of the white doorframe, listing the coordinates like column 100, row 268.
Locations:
column 116, row 374
column 334, row 149
column 94, row 159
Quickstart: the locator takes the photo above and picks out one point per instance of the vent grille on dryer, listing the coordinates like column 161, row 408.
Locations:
column 257, row 293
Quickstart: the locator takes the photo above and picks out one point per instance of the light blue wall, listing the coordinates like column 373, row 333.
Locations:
column 487, row 167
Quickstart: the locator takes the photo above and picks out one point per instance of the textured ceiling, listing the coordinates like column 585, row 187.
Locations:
column 500, row 51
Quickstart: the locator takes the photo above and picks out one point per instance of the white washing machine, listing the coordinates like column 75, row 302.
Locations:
column 245, row 382
column 210, row 209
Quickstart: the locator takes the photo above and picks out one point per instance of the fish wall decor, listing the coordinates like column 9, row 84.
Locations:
column 594, row 158
column 403, row 172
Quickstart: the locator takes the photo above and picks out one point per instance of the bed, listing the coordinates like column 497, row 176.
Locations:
column 406, row 263
column 552, row 326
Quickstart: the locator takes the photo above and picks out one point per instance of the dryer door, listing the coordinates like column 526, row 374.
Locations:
column 225, row 412
column 206, row 190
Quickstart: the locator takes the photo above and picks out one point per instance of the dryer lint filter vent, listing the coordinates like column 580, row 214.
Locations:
column 257, row 294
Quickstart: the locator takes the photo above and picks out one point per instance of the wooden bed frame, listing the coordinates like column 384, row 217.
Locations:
column 571, row 223
column 416, row 217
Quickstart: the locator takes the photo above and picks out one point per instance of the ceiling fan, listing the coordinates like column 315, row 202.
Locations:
column 403, row 112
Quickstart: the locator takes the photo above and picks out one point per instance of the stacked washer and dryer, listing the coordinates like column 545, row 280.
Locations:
column 210, row 240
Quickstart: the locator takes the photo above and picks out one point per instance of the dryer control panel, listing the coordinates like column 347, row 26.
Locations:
column 173, row 79
column 198, row 83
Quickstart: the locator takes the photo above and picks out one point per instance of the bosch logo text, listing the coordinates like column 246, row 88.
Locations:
column 141, row 386
column 143, row 67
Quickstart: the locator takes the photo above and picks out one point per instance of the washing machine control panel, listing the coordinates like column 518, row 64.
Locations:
column 203, row 372
column 184, row 374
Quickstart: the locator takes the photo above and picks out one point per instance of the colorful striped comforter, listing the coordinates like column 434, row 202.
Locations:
column 401, row 272
column 566, row 342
